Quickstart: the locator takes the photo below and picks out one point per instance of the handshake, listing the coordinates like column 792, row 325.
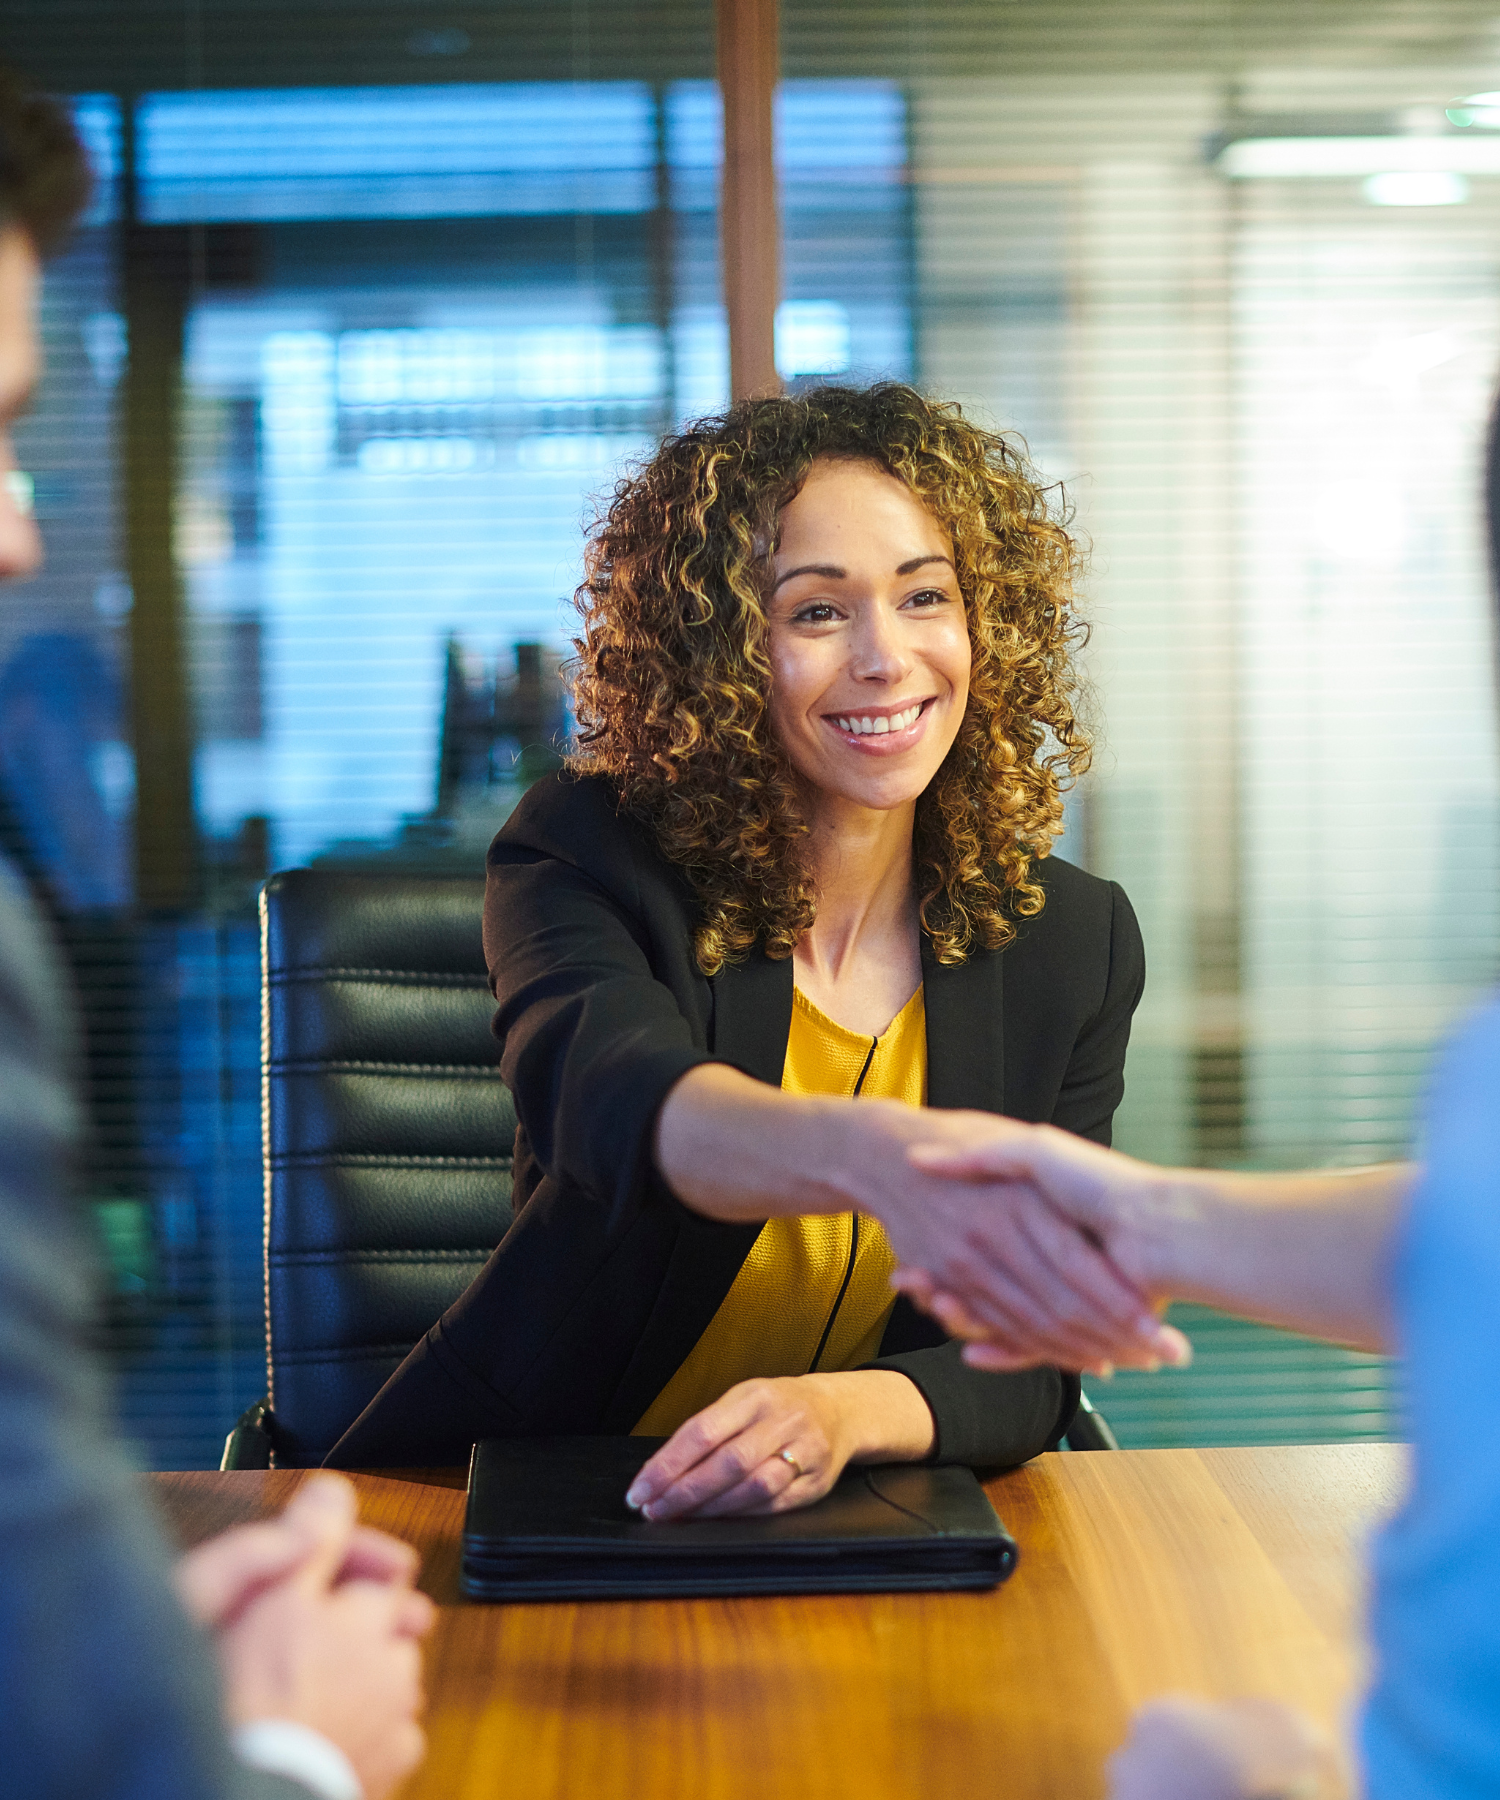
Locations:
column 1040, row 1247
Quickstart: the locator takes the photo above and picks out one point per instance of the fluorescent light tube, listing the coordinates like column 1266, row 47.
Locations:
column 1330, row 158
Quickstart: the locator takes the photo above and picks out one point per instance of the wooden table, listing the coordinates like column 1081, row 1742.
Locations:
column 1214, row 1571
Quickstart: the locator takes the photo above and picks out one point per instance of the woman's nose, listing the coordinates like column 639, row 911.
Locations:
column 879, row 653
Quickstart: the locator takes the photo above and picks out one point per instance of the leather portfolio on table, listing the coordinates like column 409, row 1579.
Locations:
column 547, row 1520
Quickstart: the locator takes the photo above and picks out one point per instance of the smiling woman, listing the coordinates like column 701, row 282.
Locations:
column 794, row 889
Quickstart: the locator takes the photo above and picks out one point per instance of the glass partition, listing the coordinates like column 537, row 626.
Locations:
column 361, row 328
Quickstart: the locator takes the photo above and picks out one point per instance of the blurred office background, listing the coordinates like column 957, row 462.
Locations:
column 376, row 299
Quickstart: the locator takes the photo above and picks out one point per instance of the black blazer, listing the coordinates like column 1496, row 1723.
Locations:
column 606, row 1280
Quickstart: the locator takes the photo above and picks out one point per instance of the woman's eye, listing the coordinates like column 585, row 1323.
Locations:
column 929, row 597
column 818, row 613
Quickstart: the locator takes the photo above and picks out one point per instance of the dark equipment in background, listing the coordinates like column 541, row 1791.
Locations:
column 500, row 729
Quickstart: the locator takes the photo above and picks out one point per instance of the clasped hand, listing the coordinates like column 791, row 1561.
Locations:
column 316, row 1621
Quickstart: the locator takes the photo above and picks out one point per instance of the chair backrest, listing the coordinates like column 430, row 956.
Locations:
column 387, row 1130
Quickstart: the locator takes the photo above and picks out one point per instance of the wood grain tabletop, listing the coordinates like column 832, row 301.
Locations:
column 1214, row 1572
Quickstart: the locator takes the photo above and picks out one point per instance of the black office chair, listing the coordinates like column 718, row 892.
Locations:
column 387, row 1139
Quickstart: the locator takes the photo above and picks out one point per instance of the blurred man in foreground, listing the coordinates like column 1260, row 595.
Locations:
column 109, row 1689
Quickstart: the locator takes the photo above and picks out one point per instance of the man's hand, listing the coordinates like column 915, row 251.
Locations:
column 1181, row 1749
column 332, row 1641
column 1308, row 1251
column 218, row 1578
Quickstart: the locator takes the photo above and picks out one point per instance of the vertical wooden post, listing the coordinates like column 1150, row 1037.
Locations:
column 749, row 61
column 157, row 279
column 166, row 847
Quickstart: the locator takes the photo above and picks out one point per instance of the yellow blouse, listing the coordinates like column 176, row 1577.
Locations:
column 790, row 1311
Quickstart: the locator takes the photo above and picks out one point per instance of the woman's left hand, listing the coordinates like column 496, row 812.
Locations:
column 771, row 1445
column 766, row 1446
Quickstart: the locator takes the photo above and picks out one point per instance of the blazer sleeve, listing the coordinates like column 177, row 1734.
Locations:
column 980, row 1419
column 592, row 1041
column 1094, row 1083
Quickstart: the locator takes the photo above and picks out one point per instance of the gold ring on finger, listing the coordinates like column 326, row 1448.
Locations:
column 791, row 1462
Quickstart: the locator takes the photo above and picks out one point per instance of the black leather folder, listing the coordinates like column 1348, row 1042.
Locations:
column 547, row 1520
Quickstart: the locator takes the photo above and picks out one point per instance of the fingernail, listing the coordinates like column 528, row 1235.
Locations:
column 636, row 1495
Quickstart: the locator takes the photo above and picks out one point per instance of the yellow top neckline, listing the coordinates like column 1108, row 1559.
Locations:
column 821, row 1018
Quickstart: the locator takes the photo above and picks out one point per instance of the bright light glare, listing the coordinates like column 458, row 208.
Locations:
column 1476, row 109
column 21, row 490
column 1359, row 522
column 1435, row 187
column 1330, row 158
column 812, row 337
column 1397, row 362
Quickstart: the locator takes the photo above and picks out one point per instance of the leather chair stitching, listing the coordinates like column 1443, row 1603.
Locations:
column 457, row 1071
column 353, row 1160
column 306, row 974
column 338, row 1259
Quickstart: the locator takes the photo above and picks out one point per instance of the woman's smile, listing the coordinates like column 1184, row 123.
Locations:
column 881, row 730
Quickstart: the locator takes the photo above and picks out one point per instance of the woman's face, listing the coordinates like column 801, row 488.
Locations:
column 869, row 642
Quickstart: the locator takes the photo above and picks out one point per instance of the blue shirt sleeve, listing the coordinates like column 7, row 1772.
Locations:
column 1431, row 1728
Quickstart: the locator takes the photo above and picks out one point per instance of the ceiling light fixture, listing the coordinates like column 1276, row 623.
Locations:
column 1431, row 187
column 1352, row 158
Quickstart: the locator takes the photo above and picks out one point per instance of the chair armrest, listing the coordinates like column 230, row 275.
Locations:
column 250, row 1444
column 1089, row 1430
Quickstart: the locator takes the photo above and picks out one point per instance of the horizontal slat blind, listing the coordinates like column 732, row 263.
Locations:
column 435, row 287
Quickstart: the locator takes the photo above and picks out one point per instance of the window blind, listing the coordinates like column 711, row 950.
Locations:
column 416, row 297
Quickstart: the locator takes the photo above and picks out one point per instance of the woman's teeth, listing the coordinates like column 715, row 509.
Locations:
column 886, row 722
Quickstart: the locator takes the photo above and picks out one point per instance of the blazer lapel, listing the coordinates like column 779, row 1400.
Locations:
column 753, row 1015
column 965, row 1030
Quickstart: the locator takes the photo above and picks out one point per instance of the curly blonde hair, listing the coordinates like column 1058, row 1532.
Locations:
column 672, row 677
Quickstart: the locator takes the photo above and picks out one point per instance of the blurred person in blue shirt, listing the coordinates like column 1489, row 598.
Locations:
column 1391, row 1259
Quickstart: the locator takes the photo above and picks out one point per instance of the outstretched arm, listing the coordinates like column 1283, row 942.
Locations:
column 1309, row 1252
column 733, row 1148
